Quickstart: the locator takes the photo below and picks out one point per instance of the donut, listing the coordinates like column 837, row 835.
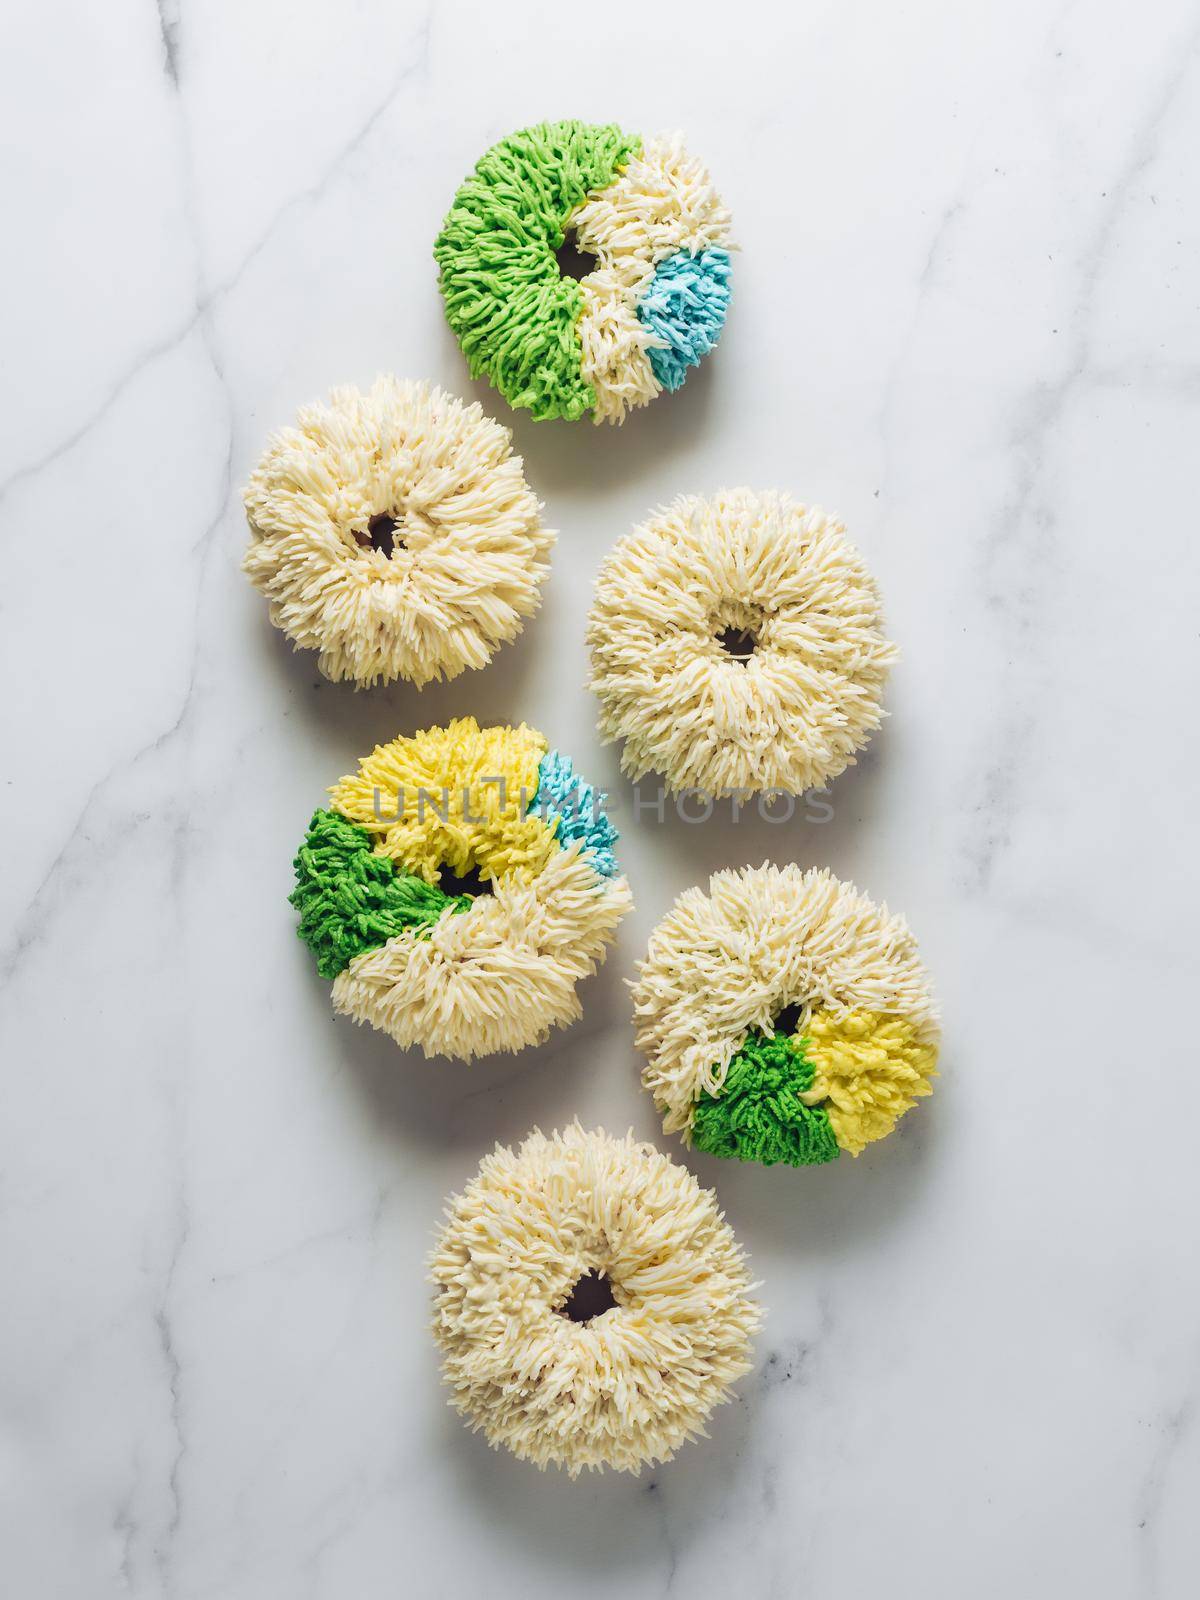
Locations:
column 642, row 221
column 783, row 1017
column 591, row 1304
column 394, row 532
column 736, row 646
column 458, row 886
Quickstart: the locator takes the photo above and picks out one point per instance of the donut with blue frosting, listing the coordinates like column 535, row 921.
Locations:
column 458, row 886
column 585, row 269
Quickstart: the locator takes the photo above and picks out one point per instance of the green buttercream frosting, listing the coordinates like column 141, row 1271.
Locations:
column 351, row 900
column 759, row 1115
column 512, row 311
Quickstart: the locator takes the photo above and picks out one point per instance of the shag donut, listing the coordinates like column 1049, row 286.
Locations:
column 784, row 1017
column 592, row 1305
column 394, row 532
column 736, row 646
column 458, row 887
column 652, row 305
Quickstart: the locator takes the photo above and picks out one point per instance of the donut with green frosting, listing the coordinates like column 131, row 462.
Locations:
column 643, row 297
column 784, row 1018
column 458, row 886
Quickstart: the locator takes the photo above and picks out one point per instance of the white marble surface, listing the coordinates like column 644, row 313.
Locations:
column 966, row 317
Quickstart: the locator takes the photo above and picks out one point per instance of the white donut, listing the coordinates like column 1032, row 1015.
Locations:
column 394, row 532
column 525, row 1360
column 772, row 577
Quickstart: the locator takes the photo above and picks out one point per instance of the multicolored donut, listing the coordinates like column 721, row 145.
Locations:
column 394, row 532
column 592, row 1305
column 651, row 307
column 784, row 1017
column 458, row 887
column 737, row 646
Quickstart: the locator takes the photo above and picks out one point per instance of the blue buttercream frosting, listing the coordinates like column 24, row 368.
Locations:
column 685, row 307
column 563, row 797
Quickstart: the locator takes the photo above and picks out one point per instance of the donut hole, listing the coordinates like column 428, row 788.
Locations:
column 788, row 1020
column 572, row 261
column 384, row 533
column 469, row 882
column 739, row 644
column 591, row 1297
